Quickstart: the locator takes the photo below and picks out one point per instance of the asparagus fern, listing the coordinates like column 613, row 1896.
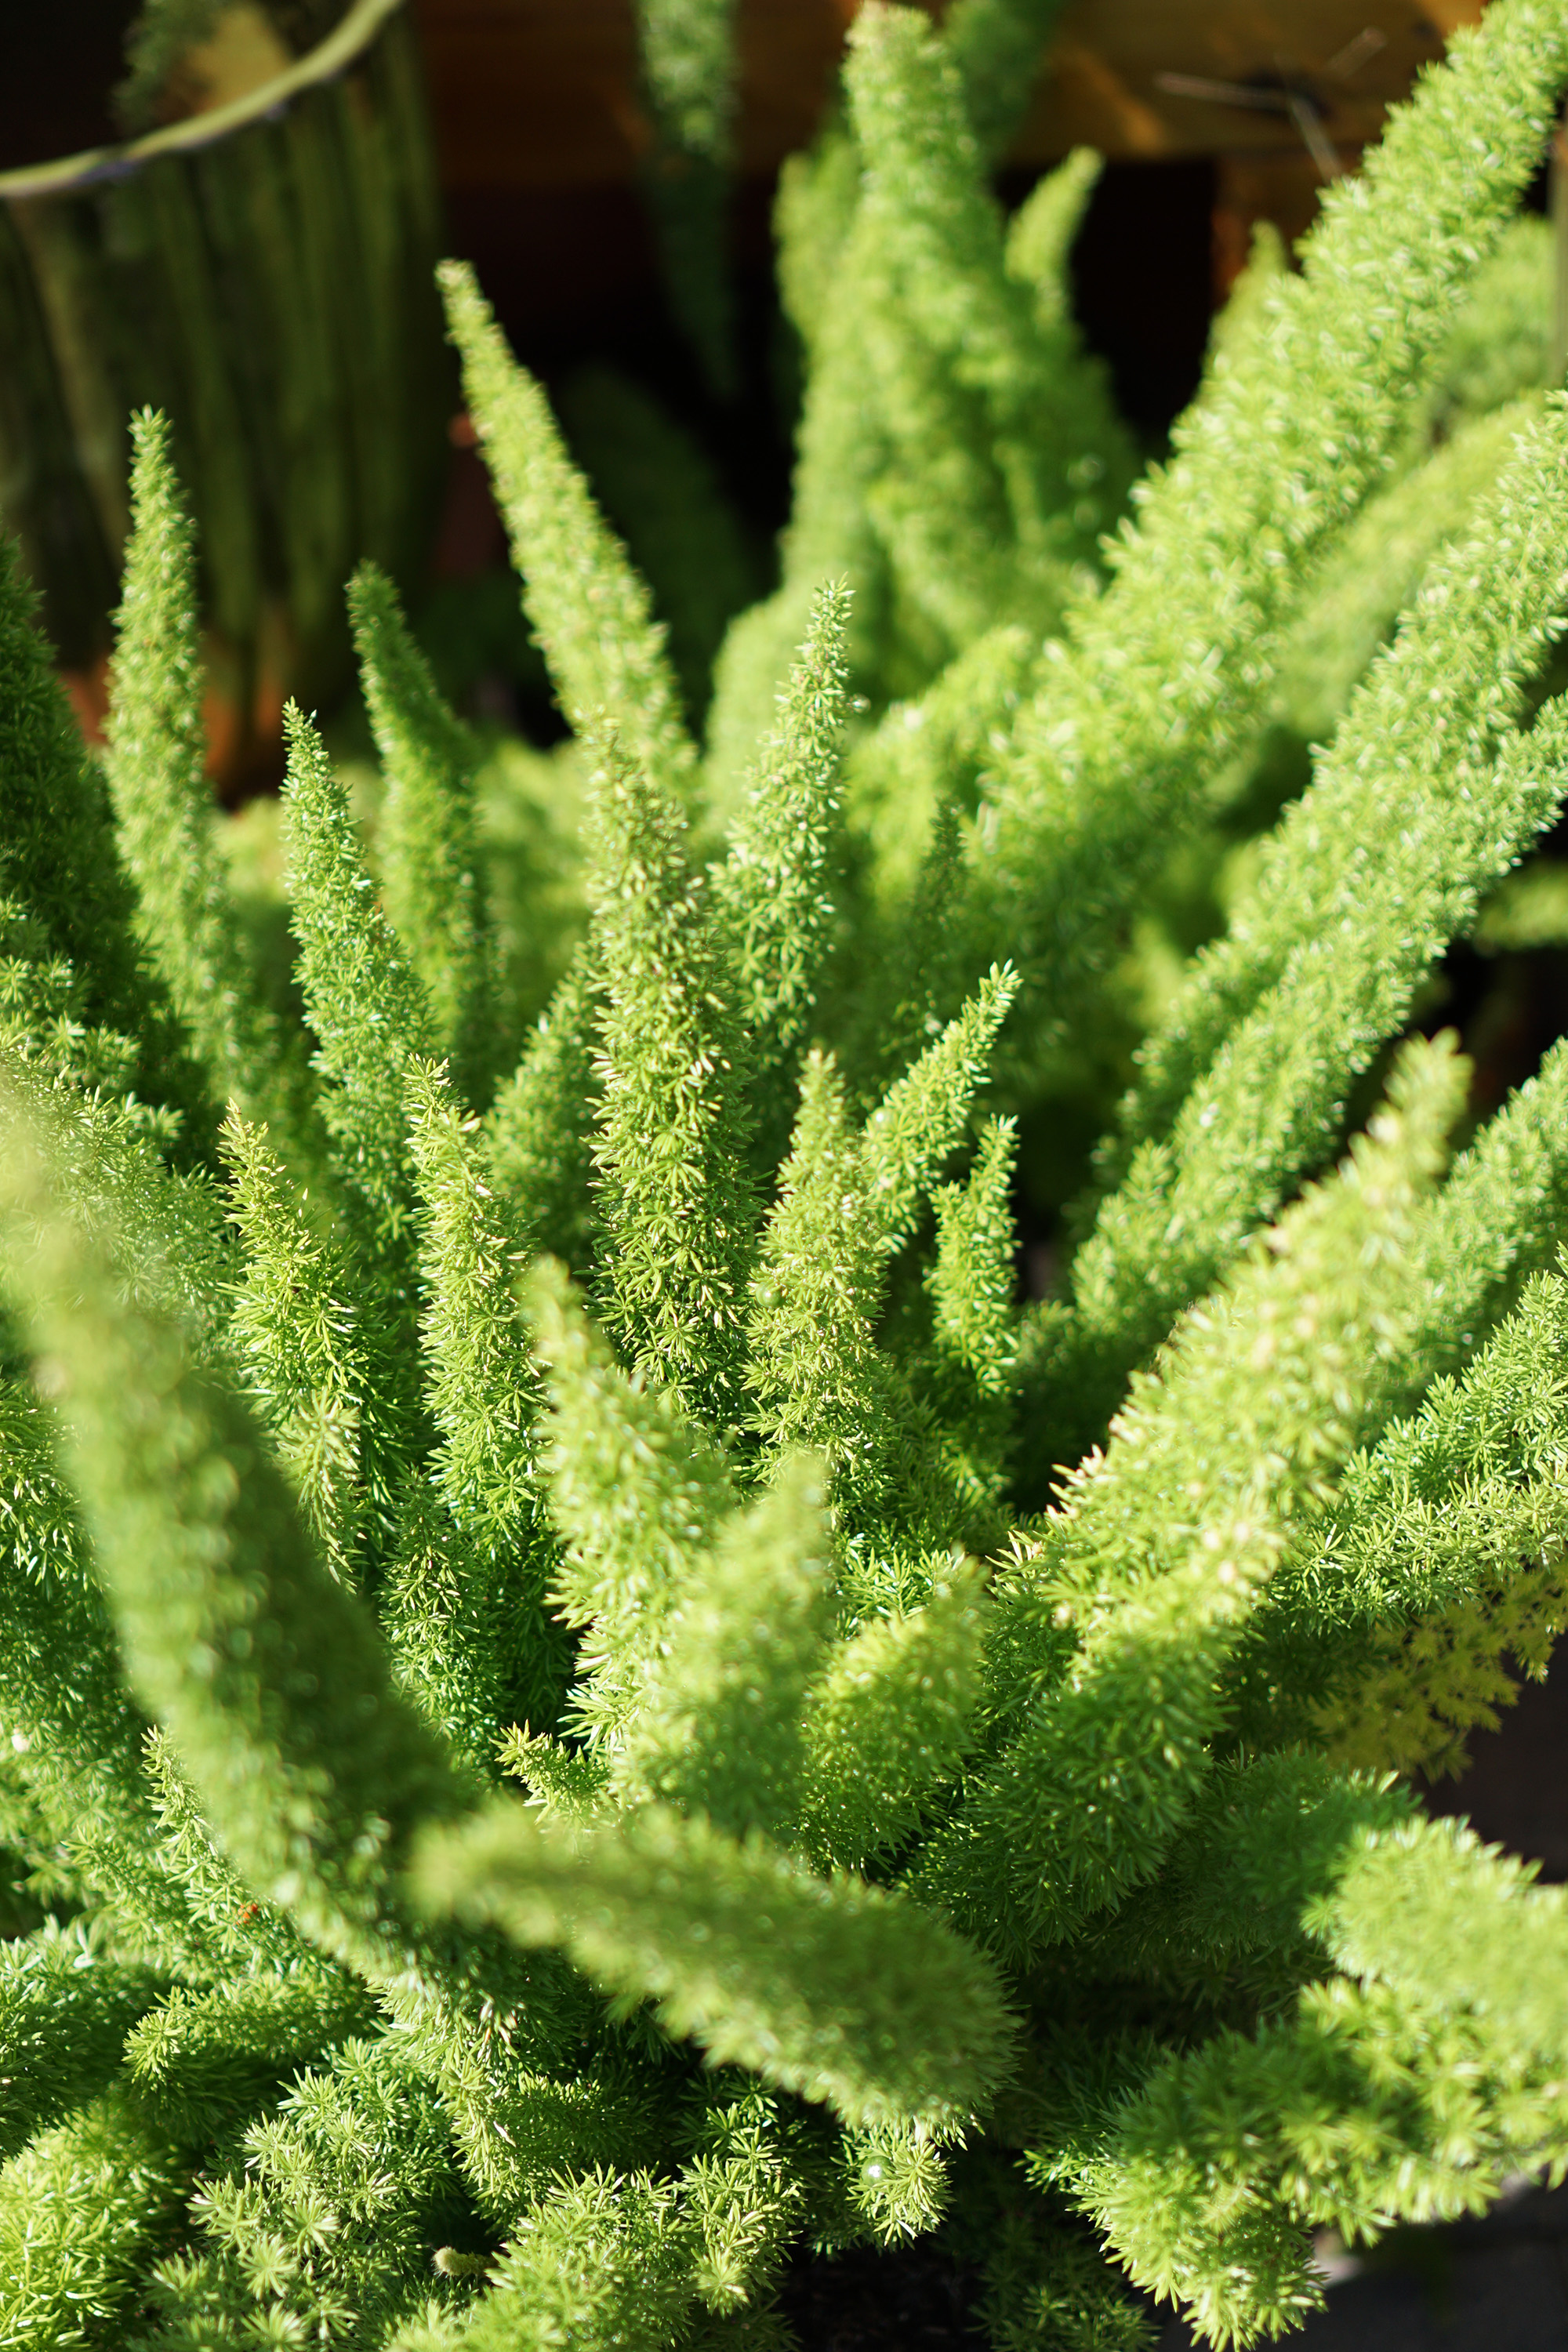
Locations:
column 565, row 1734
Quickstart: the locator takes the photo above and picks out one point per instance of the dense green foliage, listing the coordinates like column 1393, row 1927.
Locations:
column 562, row 1741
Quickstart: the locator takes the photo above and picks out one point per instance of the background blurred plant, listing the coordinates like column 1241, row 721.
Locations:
column 256, row 263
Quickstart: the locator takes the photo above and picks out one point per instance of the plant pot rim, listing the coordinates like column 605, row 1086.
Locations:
column 330, row 58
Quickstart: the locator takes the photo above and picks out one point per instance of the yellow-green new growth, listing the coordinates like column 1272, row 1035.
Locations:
column 367, row 1009
column 1160, row 679
column 970, row 1280
column 275, row 1689
column 637, row 1490
column 427, row 854
column 1167, row 1539
column 483, row 1531
column 346, row 2045
column 775, row 887
column 590, row 611
column 156, row 768
column 676, row 1198
column 718, row 1725
column 303, row 1356
column 1427, row 797
column 1438, row 2094
column 890, row 1721
column 814, row 1368
column 540, row 1125
column 920, row 1120
column 64, row 874
column 1444, row 1552
column 840, row 1991
column 957, row 455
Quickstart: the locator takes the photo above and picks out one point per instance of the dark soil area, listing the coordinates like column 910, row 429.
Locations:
column 912, row 2297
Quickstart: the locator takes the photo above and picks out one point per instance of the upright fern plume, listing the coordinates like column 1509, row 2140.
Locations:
column 1279, row 454
column 675, row 1199
column 429, row 861
column 592, row 615
column 690, row 71
column 156, row 775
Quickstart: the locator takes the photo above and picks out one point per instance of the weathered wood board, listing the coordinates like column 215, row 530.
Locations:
column 542, row 93
column 1115, row 77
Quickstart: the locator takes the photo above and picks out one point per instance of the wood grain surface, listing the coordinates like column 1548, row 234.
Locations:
column 1106, row 83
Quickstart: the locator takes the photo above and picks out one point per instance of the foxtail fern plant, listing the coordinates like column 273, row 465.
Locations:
column 567, row 1735
column 688, row 51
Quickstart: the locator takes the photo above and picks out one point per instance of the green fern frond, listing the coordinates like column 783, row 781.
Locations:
column 428, row 852
column 675, row 1199
column 157, row 781
column 588, row 608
